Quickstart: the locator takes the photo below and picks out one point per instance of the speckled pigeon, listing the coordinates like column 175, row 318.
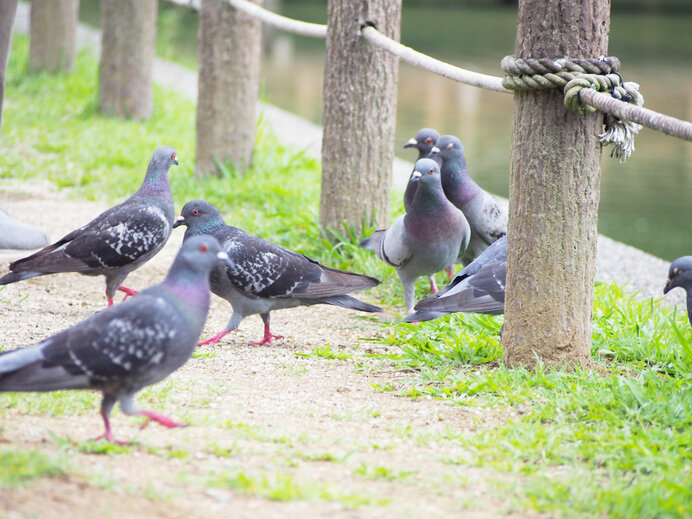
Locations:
column 126, row 347
column 486, row 213
column 479, row 288
column 424, row 141
column 117, row 241
column 427, row 238
column 680, row 275
column 19, row 235
column 265, row 277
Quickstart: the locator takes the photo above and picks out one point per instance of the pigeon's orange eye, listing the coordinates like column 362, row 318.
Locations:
column 450, row 146
column 432, row 170
column 428, row 141
column 195, row 212
column 203, row 248
column 173, row 157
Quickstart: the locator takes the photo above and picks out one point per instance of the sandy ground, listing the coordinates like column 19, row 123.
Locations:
column 257, row 410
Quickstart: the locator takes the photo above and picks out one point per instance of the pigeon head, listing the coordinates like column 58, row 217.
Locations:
column 424, row 141
column 200, row 217
column 161, row 161
column 448, row 147
column 196, row 258
column 680, row 274
column 426, row 172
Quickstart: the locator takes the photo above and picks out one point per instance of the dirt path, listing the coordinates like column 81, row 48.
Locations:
column 311, row 431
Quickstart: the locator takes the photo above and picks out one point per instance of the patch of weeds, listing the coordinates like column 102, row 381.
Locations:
column 220, row 451
column 92, row 446
column 169, row 451
column 283, row 486
column 381, row 472
column 326, row 352
column 19, row 467
column 201, row 354
column 54, row 403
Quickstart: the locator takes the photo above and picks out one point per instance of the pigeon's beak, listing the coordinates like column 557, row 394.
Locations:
column 415, row 176
column 179, row 221
column 434, row 150
column 222, row 256
column 411, row 143
column 669, row 285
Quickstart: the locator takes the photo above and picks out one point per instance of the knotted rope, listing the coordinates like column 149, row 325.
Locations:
column 572, row 75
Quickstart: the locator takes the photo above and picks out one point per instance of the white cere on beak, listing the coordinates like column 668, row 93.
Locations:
column 223, row 256
column 412, row 142
column 416, row 175
column 435, row 149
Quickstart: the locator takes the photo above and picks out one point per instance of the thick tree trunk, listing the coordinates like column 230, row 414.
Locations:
column 229, row 67
column 554, row 193
column 8, row 9
column 53, row 35
column 127, row 56
column 360, row 89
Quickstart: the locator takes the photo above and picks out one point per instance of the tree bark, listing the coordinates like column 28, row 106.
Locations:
column 128, row 33
column 360, row 96
column 230, row 44
column 53, row 35
column 8, row 9
column 554, row 194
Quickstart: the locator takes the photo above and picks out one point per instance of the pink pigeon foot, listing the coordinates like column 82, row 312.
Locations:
column 268, row 337
column 108, row 434
column 158, row 418
column 433, row 286
column 128, row 292
column 110, row 300
column 216, row 338
column 450, row 273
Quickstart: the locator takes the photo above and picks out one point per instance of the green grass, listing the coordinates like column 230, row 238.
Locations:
column 21, row 466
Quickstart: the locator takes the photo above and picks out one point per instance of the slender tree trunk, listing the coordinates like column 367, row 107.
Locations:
column 53, row 35
column 128, row 37
column 8, row 9
column 554, row 193
column 360, row 89
column 229, row 66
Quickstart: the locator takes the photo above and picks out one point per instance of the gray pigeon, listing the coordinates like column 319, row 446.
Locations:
column 265, row 277
column 479, row 288
column 19, row 235
column 117, row 241
column 680, row 275
column 126, row 347
column 427, row 238
column 486, row 213
column 424, row 141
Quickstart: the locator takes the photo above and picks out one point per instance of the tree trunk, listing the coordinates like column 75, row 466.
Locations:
column 554, row 193
column 228, row 92
column 128, row 33
column 53, row 35
column 360, row 89
column 8, row 9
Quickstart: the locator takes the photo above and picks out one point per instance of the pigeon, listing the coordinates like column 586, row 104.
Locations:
column 680, row 275
column 487, row 214
column 126, row 347
column 427, row 238
column 19, row 235
column 265, row 277
column 478, row 288
column 117, row 241
column 424, row 141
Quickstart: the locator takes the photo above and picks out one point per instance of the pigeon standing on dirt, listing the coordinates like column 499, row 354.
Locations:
column 426, row 239
column 487, row 214
column 479, row 288
column 265, row 277
column 424, row 141
column 117, row 241
column 680, row 275
column 19, row 235
column 127, row 347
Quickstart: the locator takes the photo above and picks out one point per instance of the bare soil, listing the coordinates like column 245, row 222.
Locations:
column 259, row 411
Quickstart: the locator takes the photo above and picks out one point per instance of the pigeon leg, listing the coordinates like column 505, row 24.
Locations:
column 106, row 406
column 110, row 299
column 128, row 292
column 128, row 407
column 450, row 273
column 268, row 335
column 433, row 285
column 216, row 338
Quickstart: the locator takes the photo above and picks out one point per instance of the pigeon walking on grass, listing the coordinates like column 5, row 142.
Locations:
column 487, row 215
column 680, row 275
column 117, row 241
column 263, row 276
column 426, row 239
column 424, row 141
column 127, row 347
column 479, row 288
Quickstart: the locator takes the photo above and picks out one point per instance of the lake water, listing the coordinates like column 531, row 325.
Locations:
column 646, row 202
